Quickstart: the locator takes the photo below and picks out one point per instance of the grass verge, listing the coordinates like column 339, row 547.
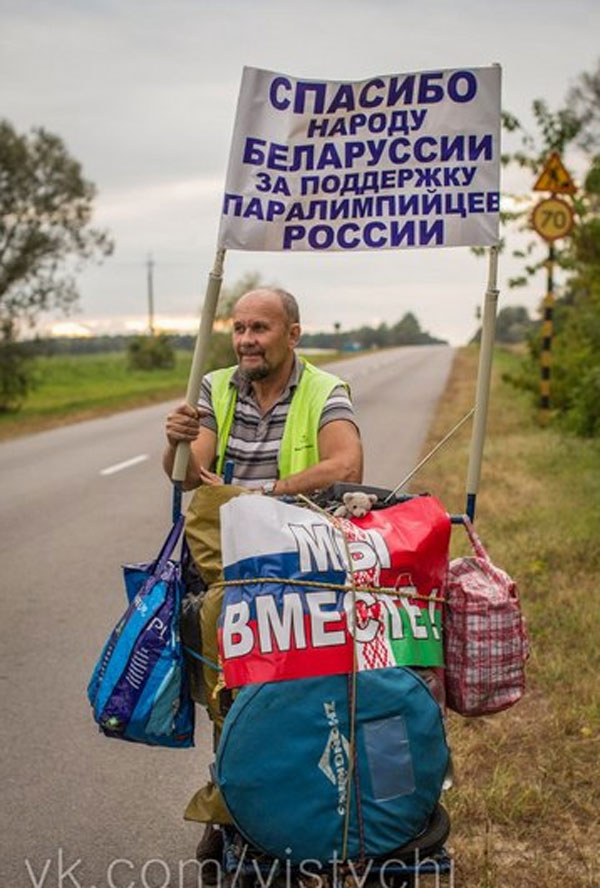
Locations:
column 77, row 387
column 525, row 805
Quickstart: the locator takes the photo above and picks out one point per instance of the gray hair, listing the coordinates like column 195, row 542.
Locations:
column 290, row 305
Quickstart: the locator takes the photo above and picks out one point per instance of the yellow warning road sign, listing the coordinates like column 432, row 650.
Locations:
column 554, row 177
column 552, row 218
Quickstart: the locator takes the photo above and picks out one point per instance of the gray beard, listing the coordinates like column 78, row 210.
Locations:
column 256, row 373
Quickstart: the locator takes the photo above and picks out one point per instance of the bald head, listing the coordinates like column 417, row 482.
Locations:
column 271, row 297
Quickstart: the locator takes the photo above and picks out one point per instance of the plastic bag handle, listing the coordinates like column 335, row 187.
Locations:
column 474, row 539
column 168, row 546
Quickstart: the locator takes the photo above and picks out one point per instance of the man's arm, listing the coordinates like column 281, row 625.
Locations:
column 341, row 455
column 183, row 424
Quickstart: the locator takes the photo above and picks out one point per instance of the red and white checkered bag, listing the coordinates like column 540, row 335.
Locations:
column 485, row 639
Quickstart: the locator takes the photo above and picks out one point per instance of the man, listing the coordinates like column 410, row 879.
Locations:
column 288, row 428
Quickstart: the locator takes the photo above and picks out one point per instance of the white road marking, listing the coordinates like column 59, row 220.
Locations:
column 118, row 467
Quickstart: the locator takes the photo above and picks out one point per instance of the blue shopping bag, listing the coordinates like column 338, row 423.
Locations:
column 139, row 690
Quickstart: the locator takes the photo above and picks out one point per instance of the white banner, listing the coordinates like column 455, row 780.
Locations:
column 407, row 160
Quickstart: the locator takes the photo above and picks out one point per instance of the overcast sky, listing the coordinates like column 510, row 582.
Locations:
column 144, row 95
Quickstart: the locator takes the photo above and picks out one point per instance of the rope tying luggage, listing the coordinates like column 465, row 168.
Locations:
column 317, row 584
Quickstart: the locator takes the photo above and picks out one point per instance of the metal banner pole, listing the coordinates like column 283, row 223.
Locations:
column 209, row 308
column 488, row 330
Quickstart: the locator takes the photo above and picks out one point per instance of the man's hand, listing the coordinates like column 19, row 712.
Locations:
column 183, row 424
column 209, row 478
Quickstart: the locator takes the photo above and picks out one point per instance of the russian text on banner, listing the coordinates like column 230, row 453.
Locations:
column 401, row 161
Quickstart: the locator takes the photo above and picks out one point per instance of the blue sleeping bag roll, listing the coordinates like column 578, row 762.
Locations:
column 282, row 764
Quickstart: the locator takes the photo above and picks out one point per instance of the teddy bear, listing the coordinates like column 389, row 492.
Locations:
column 355, row 504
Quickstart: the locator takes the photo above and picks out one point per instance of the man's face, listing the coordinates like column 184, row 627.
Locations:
column 263, row 338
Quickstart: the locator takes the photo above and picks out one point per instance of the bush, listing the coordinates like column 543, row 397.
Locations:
column 16, row 377
column 575, row 367
column 150, row 353
column 584, row 414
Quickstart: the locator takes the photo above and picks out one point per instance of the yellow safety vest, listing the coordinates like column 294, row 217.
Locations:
column 299, row 447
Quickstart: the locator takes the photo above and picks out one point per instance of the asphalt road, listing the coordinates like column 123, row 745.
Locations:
column 76, row 503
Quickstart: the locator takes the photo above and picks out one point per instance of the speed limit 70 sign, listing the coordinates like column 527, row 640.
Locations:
column 552, row 218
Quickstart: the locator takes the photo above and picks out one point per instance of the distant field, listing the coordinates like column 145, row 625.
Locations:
column 525, row 807
column 72, row 388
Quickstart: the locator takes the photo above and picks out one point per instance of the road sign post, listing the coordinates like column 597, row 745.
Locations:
column 552, row 218
column 547, row 330
column 555, row 177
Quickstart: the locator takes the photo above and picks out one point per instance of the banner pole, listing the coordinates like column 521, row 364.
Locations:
column 209, row 308
column 488, row 330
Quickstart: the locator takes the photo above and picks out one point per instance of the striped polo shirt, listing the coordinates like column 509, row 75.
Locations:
column 255, row 438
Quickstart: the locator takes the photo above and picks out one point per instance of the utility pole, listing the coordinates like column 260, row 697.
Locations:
column 150, row 270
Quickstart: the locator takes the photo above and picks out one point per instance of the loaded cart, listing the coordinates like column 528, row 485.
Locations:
column 333, row 752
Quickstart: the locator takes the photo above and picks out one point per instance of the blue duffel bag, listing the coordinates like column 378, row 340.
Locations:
column 139, row 690
column 282, row 764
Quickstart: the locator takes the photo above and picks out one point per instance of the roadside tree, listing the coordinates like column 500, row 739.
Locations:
column 513, row 325
column 45, row 238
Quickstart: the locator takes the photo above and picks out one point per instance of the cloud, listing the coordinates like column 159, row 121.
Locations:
column 121, row 204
